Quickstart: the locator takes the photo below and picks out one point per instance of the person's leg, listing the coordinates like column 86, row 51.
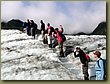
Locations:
column 61, row 49
column 46, row 38
column 85, row 71
column 62, row 53
column 42, row 34
column 49, row 41
column 34, row 33
column 27, row 30
column 55, row 43
column 34, row 36
column 31, row 31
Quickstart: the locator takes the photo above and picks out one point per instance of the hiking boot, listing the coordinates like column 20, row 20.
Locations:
column 86, row 78
column 50, row 45
column 62, row 55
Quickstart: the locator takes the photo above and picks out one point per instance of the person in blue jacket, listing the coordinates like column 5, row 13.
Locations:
column 99, row 70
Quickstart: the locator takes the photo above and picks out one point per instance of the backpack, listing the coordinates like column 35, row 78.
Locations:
column 87, row 57
column 24, row 24
column 63, row 37
column 51, row 30
column 104, row 66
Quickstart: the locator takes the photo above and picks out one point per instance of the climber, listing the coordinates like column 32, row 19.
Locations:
column 33, row 28
column 50, row 30
column 57, row 35
column 79, row 53
column 42, row 28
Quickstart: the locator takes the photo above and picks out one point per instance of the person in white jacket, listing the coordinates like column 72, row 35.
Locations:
column 50, row 31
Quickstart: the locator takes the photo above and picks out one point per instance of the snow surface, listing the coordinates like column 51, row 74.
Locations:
column 25, row 58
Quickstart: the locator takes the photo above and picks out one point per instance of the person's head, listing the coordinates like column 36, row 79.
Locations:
column 48, row 24
column 61, row 26
column 97, row 54
column 41, row 21
column 56, row 29
column 31, row 21
column 78, row 49
column 28, row 20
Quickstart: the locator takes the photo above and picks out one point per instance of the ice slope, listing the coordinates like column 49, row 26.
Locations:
column 25, row 58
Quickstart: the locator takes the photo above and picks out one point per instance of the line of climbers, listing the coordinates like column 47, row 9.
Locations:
column 47, row 34
column 30, row 27
column 59, row 39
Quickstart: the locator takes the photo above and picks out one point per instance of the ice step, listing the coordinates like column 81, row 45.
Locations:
column 75, row 71
column 68, row 65
column 71, row 67
column 63, row 59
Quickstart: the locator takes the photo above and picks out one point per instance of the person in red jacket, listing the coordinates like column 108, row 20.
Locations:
column 60, row 40
column 55, row 43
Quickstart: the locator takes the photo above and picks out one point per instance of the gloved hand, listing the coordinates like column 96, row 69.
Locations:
column 61, row 26
column 74, row 50
column 77, row 53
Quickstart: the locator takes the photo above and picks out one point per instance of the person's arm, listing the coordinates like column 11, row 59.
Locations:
column 61, row 29
column 61, row 26
column 54, row 34
column 48, row 31
column 102, row 69
column 76, row 54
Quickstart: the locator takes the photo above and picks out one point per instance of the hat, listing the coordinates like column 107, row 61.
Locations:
column 77, row 47
column 97, row 53
column 48, row 24
column 56, row 29
column 41, row 21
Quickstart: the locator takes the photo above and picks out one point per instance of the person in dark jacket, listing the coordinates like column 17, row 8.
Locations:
column 33, row 28
column 79, row 53
column 28, row 28
column 24, row 25
column 42, row 28
column 45, row 37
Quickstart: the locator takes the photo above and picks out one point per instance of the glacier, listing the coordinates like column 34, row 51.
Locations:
column 25, row 58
